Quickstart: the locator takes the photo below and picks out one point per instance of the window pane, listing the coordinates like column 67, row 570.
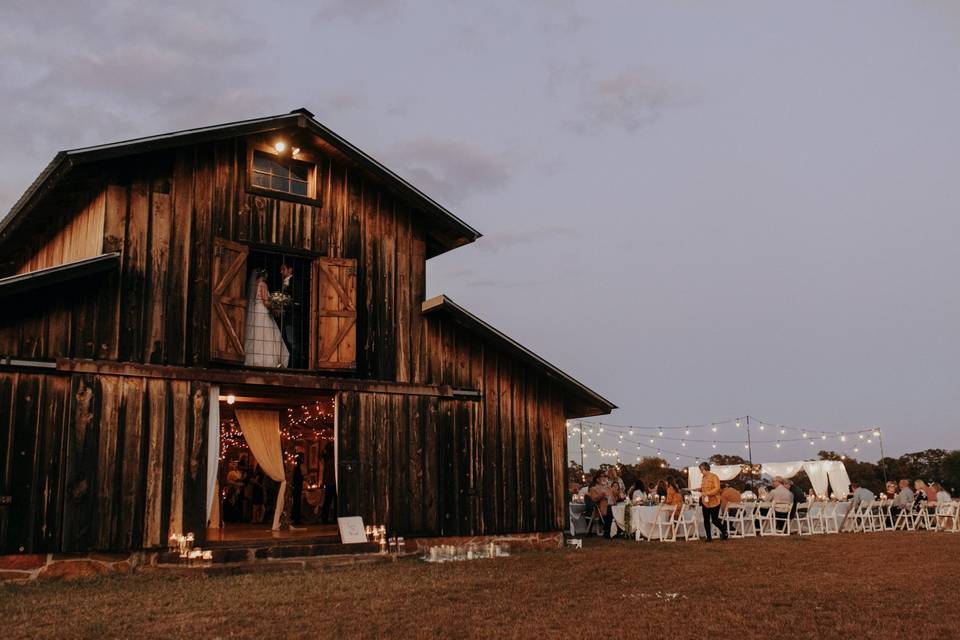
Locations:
column 261, row 162
column 280, row 183
column 297, row 187
column 300, row 170
column 261, row 180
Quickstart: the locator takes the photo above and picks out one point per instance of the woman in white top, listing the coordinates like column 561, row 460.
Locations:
column 943, row 496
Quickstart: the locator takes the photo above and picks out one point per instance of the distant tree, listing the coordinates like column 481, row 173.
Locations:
column 721, row 458
column 950, row 472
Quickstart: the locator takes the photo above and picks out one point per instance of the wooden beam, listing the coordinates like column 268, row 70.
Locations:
column 254, row 378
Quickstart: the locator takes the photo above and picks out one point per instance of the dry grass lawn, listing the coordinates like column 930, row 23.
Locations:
column 889, row 585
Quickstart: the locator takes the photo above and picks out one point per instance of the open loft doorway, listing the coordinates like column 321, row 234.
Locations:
column 276, row 469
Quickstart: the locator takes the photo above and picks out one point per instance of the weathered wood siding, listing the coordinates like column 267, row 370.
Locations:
column 100, row 462
column 81, row 236
column 162, row 211
column 457, row 467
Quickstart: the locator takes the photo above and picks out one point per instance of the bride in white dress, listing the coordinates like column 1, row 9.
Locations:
column 263, row 342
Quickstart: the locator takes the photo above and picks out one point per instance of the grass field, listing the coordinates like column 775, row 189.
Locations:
column 889, row 585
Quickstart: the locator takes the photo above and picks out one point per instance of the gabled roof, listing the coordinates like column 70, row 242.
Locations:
column 456, row 232
column 55, row 275
column 586, row 402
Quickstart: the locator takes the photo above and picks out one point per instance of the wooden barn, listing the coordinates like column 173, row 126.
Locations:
column 183, row 313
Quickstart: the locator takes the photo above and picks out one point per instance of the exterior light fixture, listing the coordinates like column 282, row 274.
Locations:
column 280, row 146
column 231, row 399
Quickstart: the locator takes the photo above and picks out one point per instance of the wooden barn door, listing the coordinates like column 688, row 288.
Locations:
column 229, row 301
column 333, row 314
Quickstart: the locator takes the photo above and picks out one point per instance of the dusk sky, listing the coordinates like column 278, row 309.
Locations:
column 701, row 210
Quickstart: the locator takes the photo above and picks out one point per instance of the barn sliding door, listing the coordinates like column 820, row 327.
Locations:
column 229, row 301
column 333, row 318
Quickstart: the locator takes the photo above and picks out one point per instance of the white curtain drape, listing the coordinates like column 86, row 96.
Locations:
column 782, row 469
column 723, row 471
column 817, row 472
column 261, row 430
column 213, row 454
column 839, row 480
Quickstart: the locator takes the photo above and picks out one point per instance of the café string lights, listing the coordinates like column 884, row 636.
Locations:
column 665, row 439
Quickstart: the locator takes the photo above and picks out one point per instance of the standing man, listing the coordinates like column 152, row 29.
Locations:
column 290, row 316
column 710, row 501
column 328, row 474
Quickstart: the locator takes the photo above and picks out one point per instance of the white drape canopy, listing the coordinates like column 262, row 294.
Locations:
column 723, row 471
column 261, row 430
column 823, row 474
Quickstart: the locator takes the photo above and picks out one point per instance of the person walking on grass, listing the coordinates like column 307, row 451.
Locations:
column 710, row 501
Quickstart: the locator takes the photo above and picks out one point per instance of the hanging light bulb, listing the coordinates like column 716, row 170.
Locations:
column 687, row 431
column 782, row 430
column 600, row 430
column 631, row 431
column 876, row 433
column 811, row 442
column 843, row 438
column 738, row 424
column 714, row 445
column 761, row 427
column 861, row 436
column 714, row 428
column 804, row 434
column 823, row 437
column 856, row 449
column 683, row 444
column 651, row 440
column 661, row 433
column 778, row 445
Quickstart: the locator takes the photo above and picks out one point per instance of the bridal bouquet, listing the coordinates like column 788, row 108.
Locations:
column 278, row 300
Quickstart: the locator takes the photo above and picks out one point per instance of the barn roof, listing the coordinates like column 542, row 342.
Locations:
column 451, row 231
column 582, row 401
column 40, row 278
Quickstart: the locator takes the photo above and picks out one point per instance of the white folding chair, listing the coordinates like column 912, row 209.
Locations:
column 782, row 514
column 749, row 519
column 831, row 517
column 924, row 517
column 947, row 513
column 733, row 518
column 815, row 518
column 684, row 523
column 858, row 518
column 905, row 520
column 801, row 519
column 765, row 517
column 664, row 523
column 876, row 516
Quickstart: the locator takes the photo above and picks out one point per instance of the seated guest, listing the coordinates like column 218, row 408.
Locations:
column 662, row 490
column 941, row 495
column 637, row 490
column 799, row 497
column 903, row 500
column 919, row 494
column 890, row 490
column 729, row 495
column 674, row 497
column 780, row 495
column 596, row 498
column 928, row 490
column 858, row 495
column 615, row 480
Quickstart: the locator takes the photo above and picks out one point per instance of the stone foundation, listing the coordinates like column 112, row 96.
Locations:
column 67, row 566
column 515, row 541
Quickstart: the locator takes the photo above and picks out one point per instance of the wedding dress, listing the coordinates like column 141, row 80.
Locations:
column 263, row 342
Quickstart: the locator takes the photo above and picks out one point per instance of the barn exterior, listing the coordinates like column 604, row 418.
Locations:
column 123, row 275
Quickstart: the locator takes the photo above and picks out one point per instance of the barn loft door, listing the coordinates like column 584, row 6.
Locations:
column 229, row 301
column 333, row 318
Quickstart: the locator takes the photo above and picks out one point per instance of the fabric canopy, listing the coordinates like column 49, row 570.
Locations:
column 823, row 474
column 723, row 471
column 213, row 455
column 261, row 430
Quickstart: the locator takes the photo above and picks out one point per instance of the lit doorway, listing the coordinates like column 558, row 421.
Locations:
column 249, row 489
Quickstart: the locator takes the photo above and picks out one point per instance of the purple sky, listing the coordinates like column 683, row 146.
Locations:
column 699, row 209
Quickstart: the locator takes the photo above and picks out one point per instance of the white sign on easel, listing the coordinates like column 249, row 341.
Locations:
column 351, row 530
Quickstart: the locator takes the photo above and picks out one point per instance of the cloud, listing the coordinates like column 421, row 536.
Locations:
column 83, row 73
column 628, row 100
column 450, row 170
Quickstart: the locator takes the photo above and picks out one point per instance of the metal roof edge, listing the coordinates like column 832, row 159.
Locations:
column 444, row 303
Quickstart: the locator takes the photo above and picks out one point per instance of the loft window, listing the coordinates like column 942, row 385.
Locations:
column 284, row 175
